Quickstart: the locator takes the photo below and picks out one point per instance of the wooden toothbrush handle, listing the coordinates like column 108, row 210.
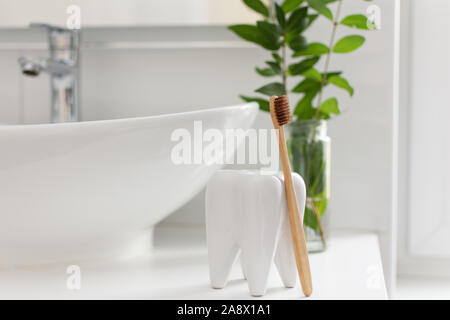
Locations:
column 298, row 237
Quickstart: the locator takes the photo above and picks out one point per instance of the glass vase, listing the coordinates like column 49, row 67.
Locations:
column 309, row 153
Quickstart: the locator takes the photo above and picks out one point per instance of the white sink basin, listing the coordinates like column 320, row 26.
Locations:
column 76, row 191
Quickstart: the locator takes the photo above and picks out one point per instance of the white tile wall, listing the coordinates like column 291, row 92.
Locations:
column 10, row 88
column 136, row 82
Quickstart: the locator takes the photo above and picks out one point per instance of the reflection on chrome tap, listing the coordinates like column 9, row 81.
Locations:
column 63, row 68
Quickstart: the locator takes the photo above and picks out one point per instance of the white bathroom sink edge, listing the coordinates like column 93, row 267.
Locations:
column 85, row 190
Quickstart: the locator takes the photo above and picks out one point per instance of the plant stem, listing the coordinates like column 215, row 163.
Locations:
column 283, row 49
column 327, row 61
column 284, row 67
column 322, row 85
column 317, row 215
column 272, row 10
column 309, row 200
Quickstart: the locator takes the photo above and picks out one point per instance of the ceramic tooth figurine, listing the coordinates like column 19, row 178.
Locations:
column 246, row 214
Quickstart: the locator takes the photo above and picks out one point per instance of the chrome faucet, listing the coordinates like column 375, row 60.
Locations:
column 63, row 68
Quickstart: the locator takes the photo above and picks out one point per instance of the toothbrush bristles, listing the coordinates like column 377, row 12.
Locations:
column 282, row 111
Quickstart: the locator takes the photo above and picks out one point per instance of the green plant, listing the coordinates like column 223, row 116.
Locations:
column 281, row 31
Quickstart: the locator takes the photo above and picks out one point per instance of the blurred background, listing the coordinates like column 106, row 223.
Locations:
column 390, row 150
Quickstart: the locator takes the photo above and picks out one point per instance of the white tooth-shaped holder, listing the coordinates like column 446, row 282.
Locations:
column 246, row 213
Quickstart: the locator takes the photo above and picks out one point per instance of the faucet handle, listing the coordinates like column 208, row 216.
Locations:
column 60, row 38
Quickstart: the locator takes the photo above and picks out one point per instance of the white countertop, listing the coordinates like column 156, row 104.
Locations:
column 178, row 269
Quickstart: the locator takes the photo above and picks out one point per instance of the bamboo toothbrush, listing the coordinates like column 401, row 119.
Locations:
column 280, row 113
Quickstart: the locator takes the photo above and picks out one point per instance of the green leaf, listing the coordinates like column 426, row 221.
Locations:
column 254, row 34
column 312, row 74
column 280, row 16
column 310, row 219
column 304, row 109
column 277, row 58
column 321, row 204
column 316, row 75
column 299, row 68
column 289, row 5
column 330, row 106
column 271, row 30
column 349, row 44
column 298, row 43
column 308, row 84
column 317, row 170
column 310, row 159
column 313, row 49
column 274, row 66
column 358, row 21
column 266, row 72
column 263, row 104
column 321, row 7
column 272, row 89
column 275, row 69
column 258, row 6
column 311, row 19
column 332, row 74
column 341, row 83
column 298, row 20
